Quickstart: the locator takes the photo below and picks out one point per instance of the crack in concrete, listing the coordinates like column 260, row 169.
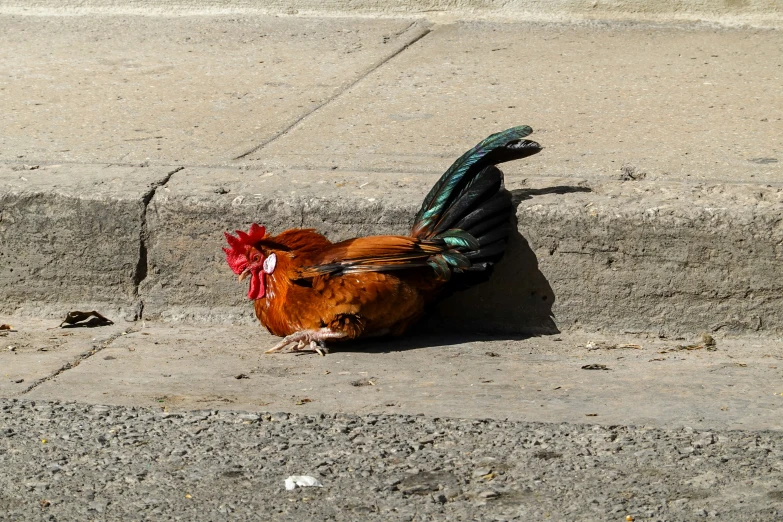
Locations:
column 81, row 357
column 340, row 92
column 142, row 266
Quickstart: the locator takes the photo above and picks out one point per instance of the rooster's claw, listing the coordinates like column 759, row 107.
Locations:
column 313, row 339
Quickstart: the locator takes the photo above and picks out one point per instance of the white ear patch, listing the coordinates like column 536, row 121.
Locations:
column 270, row 263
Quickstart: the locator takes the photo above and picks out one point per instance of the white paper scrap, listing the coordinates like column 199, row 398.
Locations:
column 302, row 481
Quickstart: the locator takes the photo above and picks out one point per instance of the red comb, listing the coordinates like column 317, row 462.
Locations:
column 236, row 256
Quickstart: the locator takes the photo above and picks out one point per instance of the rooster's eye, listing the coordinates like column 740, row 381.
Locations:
column 256, row 258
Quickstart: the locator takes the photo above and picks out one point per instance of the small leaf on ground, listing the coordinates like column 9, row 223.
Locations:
column 78, row 319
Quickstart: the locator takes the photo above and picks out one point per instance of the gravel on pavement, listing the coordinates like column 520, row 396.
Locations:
column 71, row 461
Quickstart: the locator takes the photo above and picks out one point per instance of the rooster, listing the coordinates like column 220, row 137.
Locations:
column 309, row 290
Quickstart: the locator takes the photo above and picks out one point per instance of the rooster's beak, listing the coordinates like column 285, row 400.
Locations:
column 244, row 274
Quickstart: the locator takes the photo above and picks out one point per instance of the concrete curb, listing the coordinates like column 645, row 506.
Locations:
column 73, row 235
column 633, row 256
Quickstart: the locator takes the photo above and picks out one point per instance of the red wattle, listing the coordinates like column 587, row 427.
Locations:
column 257, row 290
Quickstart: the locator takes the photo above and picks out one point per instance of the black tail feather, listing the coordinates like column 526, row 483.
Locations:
column 488, row 224
column 496, row 234
column 485, row 185
column 498, row 204
column 489, row 252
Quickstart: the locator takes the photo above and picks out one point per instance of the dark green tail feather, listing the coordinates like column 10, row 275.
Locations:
column 456, row 259
column 459, row 239
column 440, row 266
column 497, row 148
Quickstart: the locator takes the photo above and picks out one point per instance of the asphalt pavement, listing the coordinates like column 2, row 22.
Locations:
column 66, row 461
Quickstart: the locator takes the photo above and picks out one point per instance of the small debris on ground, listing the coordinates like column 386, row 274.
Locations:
column 303, row 481
column 603, row 345
column 595, row 367
column 492, row 354
column 707, row 343
column 242, row 376
column 363, row 382
column 78, row 319
column 591, row 415
column 300, row 402
column 5, row 329
column 630, row 173
column 25, row 167
column 547, row 454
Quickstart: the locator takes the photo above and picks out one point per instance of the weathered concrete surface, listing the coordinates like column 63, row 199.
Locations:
column 71, row 236
column 728, row 12
column 37, row 350
column 647, row 256
column 672, row 103
column 180, row 366
column 173, row 90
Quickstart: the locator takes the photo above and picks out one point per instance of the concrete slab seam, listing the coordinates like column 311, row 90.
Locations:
column 140, row 273
column 81, row 357
column 405, row 45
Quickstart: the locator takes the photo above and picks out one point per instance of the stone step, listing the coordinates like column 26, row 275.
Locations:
column 633, row 256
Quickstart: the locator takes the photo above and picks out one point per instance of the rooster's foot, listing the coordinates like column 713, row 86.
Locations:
column 312, row 339
column 318, row 347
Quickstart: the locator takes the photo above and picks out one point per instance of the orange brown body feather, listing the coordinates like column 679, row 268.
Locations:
column 357, row 304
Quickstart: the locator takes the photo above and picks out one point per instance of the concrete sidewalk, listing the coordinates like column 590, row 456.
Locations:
column 575, row 378
column 129, row 144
